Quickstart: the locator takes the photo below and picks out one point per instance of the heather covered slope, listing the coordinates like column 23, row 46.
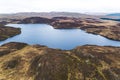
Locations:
column 7, row 32
column 20, row 61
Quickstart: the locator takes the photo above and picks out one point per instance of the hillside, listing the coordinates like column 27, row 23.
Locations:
column 7, row 32
column 19, row 61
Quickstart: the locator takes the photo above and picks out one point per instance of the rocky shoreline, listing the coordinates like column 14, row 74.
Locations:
column 7, row 32
column 35, row 62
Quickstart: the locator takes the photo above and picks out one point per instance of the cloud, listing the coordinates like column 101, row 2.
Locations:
column 8, row 6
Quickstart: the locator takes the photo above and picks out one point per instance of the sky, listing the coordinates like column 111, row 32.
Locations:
column 81, row 6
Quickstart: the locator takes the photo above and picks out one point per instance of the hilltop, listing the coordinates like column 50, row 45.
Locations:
column 20, row 61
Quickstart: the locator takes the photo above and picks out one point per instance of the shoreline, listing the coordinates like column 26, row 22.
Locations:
column 7, row 32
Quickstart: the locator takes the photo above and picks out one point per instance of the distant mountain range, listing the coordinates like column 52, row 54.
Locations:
column 58, row 14
column 114, row 14
column 45, row 14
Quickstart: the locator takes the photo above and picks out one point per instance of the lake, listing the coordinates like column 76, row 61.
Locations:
column 65, row 39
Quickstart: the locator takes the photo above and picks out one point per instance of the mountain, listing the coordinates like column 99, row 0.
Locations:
column 43, row 14
column 114, row 14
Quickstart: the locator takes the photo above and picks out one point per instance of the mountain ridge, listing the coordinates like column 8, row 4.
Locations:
column 114, row 14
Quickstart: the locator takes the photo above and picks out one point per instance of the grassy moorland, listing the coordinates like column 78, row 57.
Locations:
column 19, row 61
column 7, row 32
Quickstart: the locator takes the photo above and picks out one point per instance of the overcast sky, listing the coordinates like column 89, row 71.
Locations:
column 82, row 6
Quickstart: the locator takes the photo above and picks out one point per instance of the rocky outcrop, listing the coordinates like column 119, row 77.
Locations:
column 7, row 32
column 36, row 62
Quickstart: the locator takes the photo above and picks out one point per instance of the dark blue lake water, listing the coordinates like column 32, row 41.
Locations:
column 44, row 34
